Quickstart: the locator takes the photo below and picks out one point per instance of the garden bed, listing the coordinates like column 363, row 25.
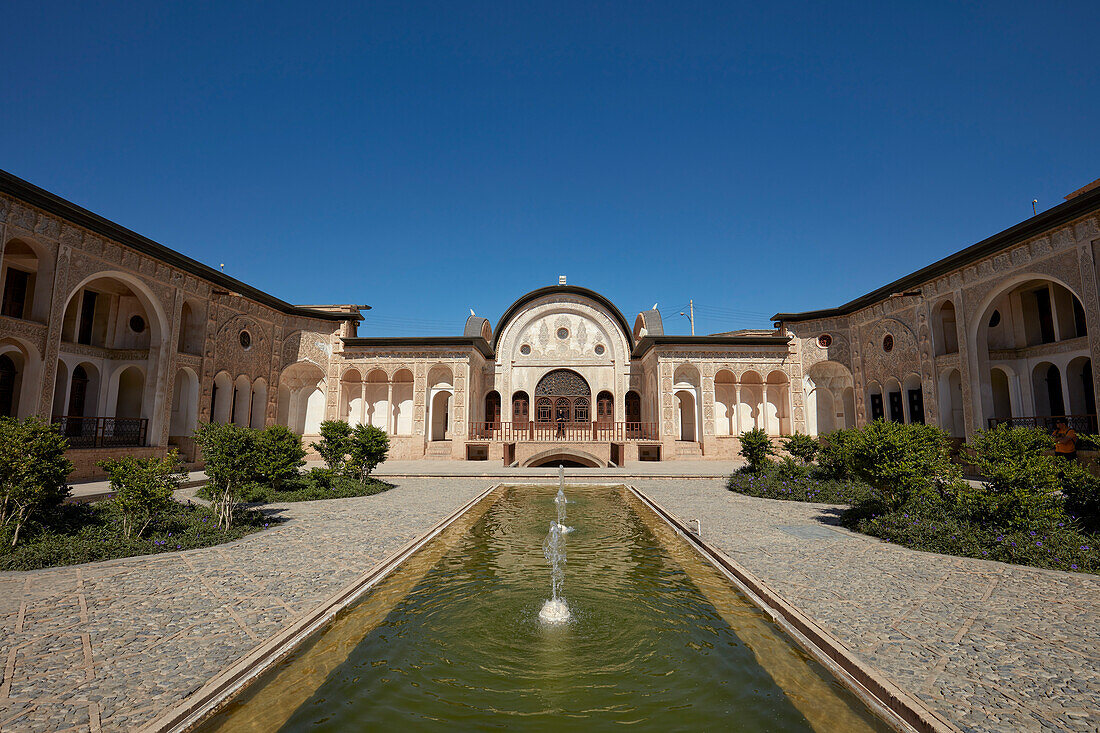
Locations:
column 80, row 533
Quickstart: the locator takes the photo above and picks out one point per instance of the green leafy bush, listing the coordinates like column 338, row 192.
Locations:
column 33, row 470
column 802, row 447
column 900, row 461
column 142, row 489
column 368, row 446
column 834, row 455
column 756, row 447
column 1081, row 491
column 1020, row 484
column 279, row 456
column 335, row 444
column 230, row 455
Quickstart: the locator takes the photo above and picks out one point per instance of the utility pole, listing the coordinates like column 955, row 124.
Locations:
column 691, row 310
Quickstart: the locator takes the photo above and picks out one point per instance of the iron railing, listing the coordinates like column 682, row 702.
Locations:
column 1078, row 423
column 102, row 432
column 515, row 432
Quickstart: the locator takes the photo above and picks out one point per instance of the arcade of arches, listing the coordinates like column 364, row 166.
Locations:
column 123, row 346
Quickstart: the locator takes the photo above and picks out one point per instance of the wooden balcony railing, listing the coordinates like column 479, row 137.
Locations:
column 103, row 432
column 513, row 432
column 1079, row 423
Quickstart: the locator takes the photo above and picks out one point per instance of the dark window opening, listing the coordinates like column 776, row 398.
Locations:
column 877, row 412
column 1046, row 316
column 897, row 414
column 15, row 293
column 916, row 406
column 87, row 318
column 1079, row 319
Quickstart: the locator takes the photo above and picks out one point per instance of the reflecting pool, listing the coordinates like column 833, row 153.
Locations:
column 657, row 638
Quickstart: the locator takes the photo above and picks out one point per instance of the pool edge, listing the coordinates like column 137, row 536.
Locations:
column 227, row 683
column 859, row 677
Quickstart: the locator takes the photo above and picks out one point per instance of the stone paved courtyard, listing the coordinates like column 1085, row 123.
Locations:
column 107, row 646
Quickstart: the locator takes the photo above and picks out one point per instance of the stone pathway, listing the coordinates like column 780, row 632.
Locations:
column 992, row 647
column 107, row 646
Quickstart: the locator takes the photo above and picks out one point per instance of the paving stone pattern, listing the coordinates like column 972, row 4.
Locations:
column 992, row 647
column 107, row 646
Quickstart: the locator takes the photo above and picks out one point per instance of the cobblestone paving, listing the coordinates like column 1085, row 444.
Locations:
column 107, row 646
column 992, row 647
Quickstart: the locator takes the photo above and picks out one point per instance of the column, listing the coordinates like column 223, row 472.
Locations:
column 389, row 408
column 736, row 429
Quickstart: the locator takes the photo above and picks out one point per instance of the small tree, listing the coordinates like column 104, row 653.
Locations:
column 802, row 447
column 230, row 455
column 142, row 489
column 279, row 455
column 369, row 447
column 756, row 447
column 900, row 460
column 335, row 444
column 33, row 469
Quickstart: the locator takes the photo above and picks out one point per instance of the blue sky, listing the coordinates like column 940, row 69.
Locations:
column 429, row 158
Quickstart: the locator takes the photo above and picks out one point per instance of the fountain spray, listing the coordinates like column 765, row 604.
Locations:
column 555, row 611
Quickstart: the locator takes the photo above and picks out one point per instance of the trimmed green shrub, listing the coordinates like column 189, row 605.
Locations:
column 368, row 447
column 1020, row 485
column 230, row 455
column 756, row 447
column 802, row 447
column 899, row 461
column 33, row 470
column 279, row 456
column 335, row 444
column 142, row 489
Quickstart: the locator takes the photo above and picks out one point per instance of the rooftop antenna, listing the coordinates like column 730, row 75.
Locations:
column 1033, row 211
column 691, row 308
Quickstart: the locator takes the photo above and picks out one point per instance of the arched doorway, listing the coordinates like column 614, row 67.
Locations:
column 492, row 409
column 686, row 403
column 521, row 409
column 569, row 394
column 605, row 408
column 441, row 406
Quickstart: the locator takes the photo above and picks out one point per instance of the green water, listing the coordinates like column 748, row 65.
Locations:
column 463, row 646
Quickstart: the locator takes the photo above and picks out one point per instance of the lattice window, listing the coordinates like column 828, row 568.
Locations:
column 580, row 409
column 543, row 410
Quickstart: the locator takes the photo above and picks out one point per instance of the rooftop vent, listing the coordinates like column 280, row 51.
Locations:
column 561, row 279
